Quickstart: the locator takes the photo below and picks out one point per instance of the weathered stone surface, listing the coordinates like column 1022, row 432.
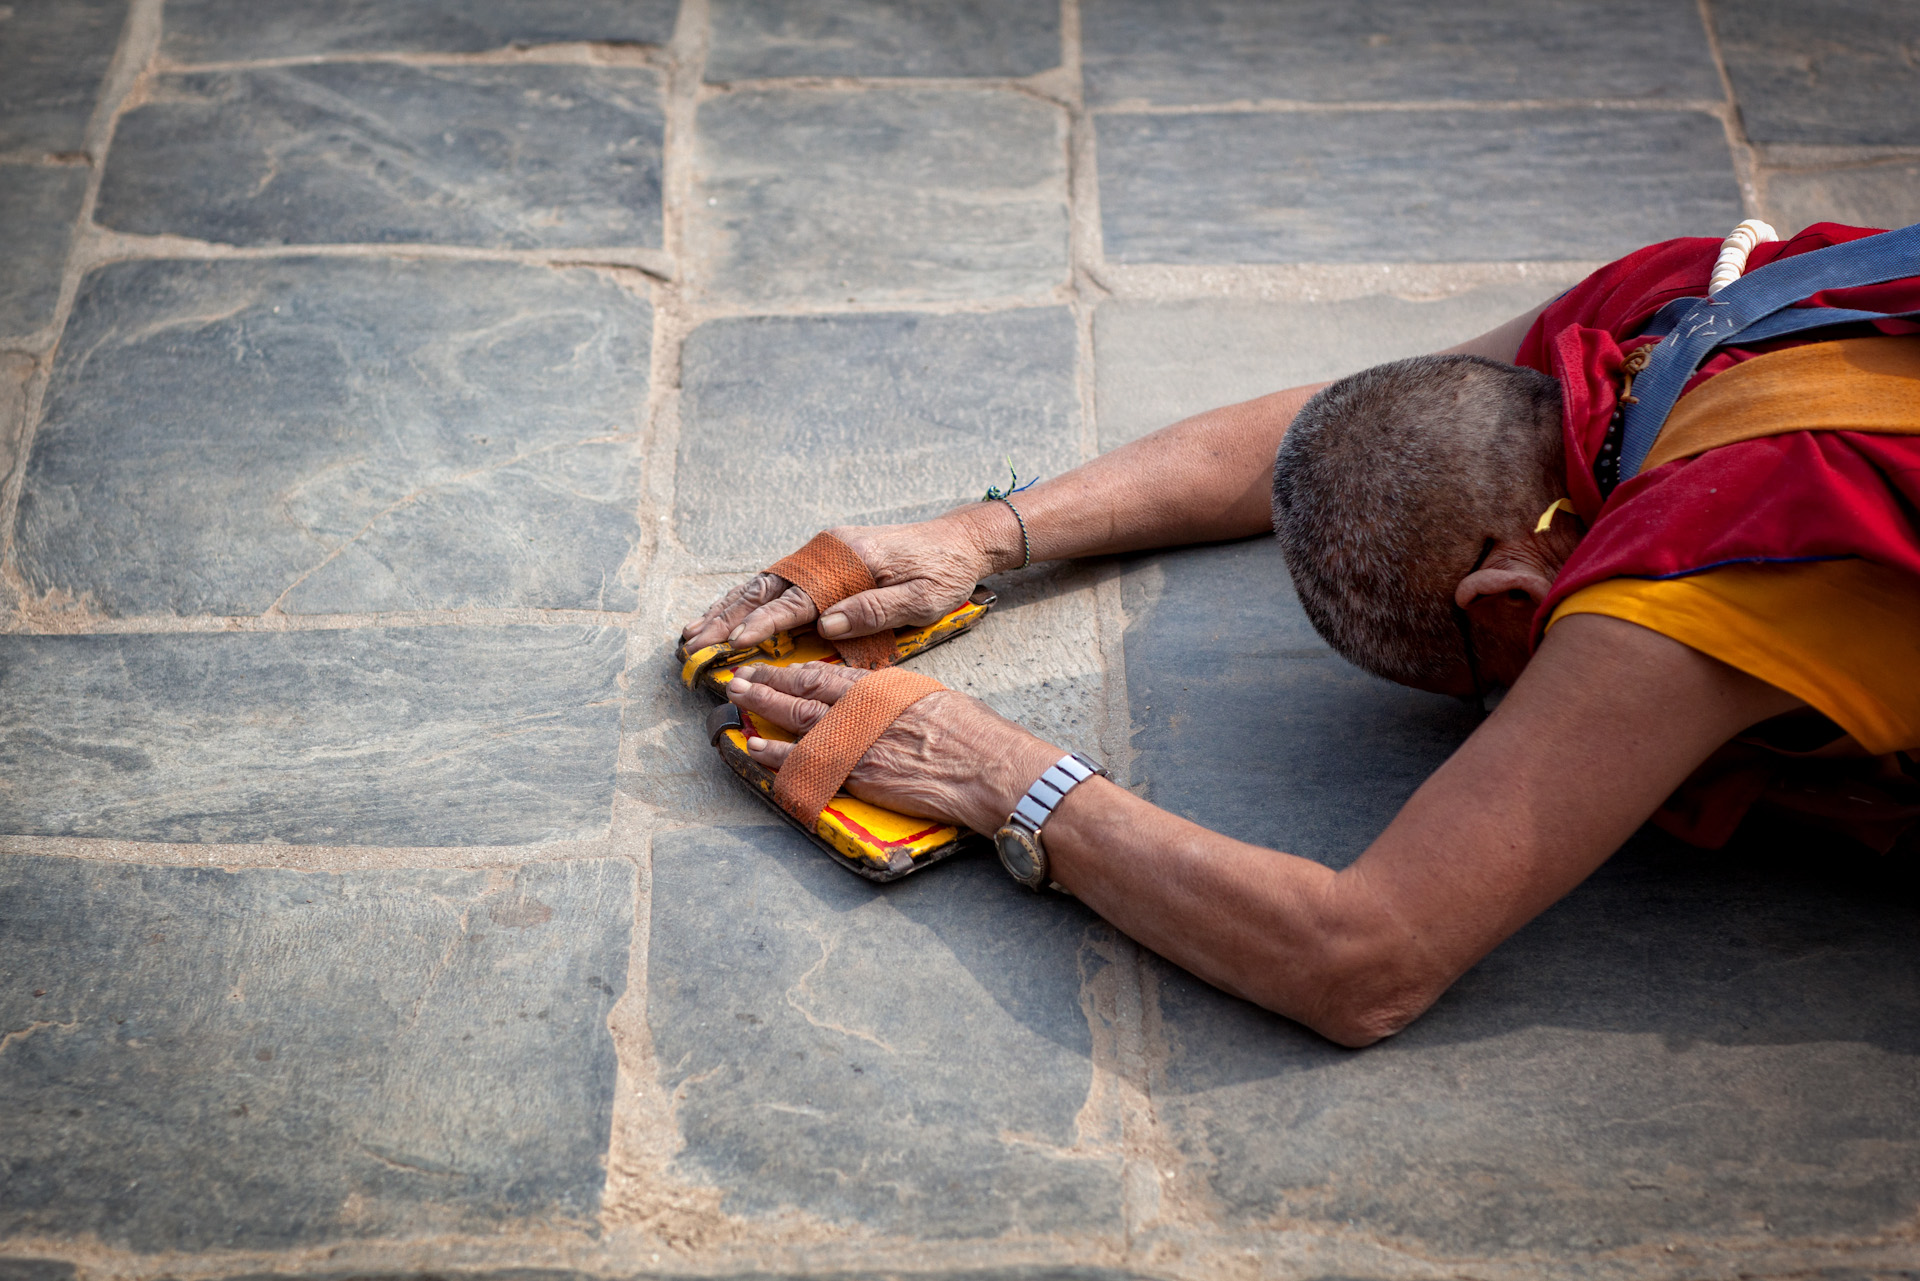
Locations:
column 39, row 205
column 1198, row 51
column 761, row 38
column 1690, row 1044
column 35, row 1270
column 199, row 1059
column 1393, row 186
column 339, row 435
column 1843, row 71
column 1219, row 651
column 392, row 737
column 53, row 55
column 236, row 30
column 888, row 195
column 518, row 157
column 1882, row 194
column 16, row 369
column 909, row 1057
column 792, row 424
column 1156, row 363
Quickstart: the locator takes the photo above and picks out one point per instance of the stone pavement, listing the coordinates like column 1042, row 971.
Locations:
column 381, row 385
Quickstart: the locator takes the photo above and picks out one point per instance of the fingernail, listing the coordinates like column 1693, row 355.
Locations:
column 756, row 744
column 738, row 686
column 734, row 635
column 832, row 625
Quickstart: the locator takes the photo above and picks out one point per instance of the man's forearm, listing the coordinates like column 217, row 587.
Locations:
column 1204, row 479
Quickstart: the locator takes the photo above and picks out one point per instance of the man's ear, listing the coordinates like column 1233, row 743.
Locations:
column 1506, row 574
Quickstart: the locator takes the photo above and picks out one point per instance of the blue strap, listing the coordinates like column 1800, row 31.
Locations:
column 1757, row 306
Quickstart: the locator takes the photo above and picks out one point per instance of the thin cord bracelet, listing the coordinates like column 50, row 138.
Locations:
column 1026, row 544
column 995, row 494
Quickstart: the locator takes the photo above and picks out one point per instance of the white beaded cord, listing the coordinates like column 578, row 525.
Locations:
column 1734, row 250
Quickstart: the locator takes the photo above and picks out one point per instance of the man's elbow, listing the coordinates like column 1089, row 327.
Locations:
column 1362, row 987
column 1358, row 1021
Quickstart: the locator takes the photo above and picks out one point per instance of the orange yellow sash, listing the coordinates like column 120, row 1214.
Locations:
column 1854, row 384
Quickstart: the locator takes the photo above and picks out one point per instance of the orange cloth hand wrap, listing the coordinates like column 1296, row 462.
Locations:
column 828, row 572
column 818, row 766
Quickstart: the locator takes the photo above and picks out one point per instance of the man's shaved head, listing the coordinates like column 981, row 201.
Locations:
column 1386, row 489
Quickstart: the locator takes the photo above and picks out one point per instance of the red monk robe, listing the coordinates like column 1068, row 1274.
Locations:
column 1790, row 500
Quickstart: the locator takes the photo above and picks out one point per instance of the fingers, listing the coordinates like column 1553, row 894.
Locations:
column 768, row 752
column 726, row 614
column 792, row 608
column 818, row 682
column 910, row 603
column 794, row 698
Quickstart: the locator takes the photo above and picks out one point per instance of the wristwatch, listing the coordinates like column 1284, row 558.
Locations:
column 1022, row 852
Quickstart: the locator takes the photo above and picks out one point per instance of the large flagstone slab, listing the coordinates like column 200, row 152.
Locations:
column 511, row 157
column 339, row 436
column 394, row 737
column 237, row 30
column 198, row 1059
column 1409, row 186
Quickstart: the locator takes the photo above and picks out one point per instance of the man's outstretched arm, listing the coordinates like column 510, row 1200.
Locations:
column 1605, row 722
column 1208, row 478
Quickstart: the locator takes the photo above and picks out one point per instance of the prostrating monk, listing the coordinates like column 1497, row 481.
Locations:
column 1672, row 635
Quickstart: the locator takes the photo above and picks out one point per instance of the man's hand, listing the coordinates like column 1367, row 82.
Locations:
column 923, row 571
column 948, row 757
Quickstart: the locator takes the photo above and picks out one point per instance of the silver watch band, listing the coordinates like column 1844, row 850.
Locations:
column 1065, row 774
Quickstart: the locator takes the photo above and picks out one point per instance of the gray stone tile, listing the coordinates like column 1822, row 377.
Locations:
column 53, row 56
column 1688, row 1045
column 16, row 372
column 761, row 38
column 385, row 737
column 35, row 1270
column 1324, row 754
column 203, row 1059
column 1199, row 51
column 1878, row 194
column 237, row 30
column 1391, row 186
column 887, row 195
column 1156, row 363
column 1843, row 71
column 39, row 207
column 339, row 435
column 909, row 1057
column 514, row 157
column 792, row 424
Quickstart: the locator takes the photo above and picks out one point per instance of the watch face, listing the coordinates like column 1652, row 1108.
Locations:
column 1018, row 855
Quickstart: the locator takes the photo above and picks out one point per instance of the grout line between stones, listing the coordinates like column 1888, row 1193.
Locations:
column 1120, row 1068
column 308, row 858
column 1746, row 167
column 80, row 623
column 1306, row 106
